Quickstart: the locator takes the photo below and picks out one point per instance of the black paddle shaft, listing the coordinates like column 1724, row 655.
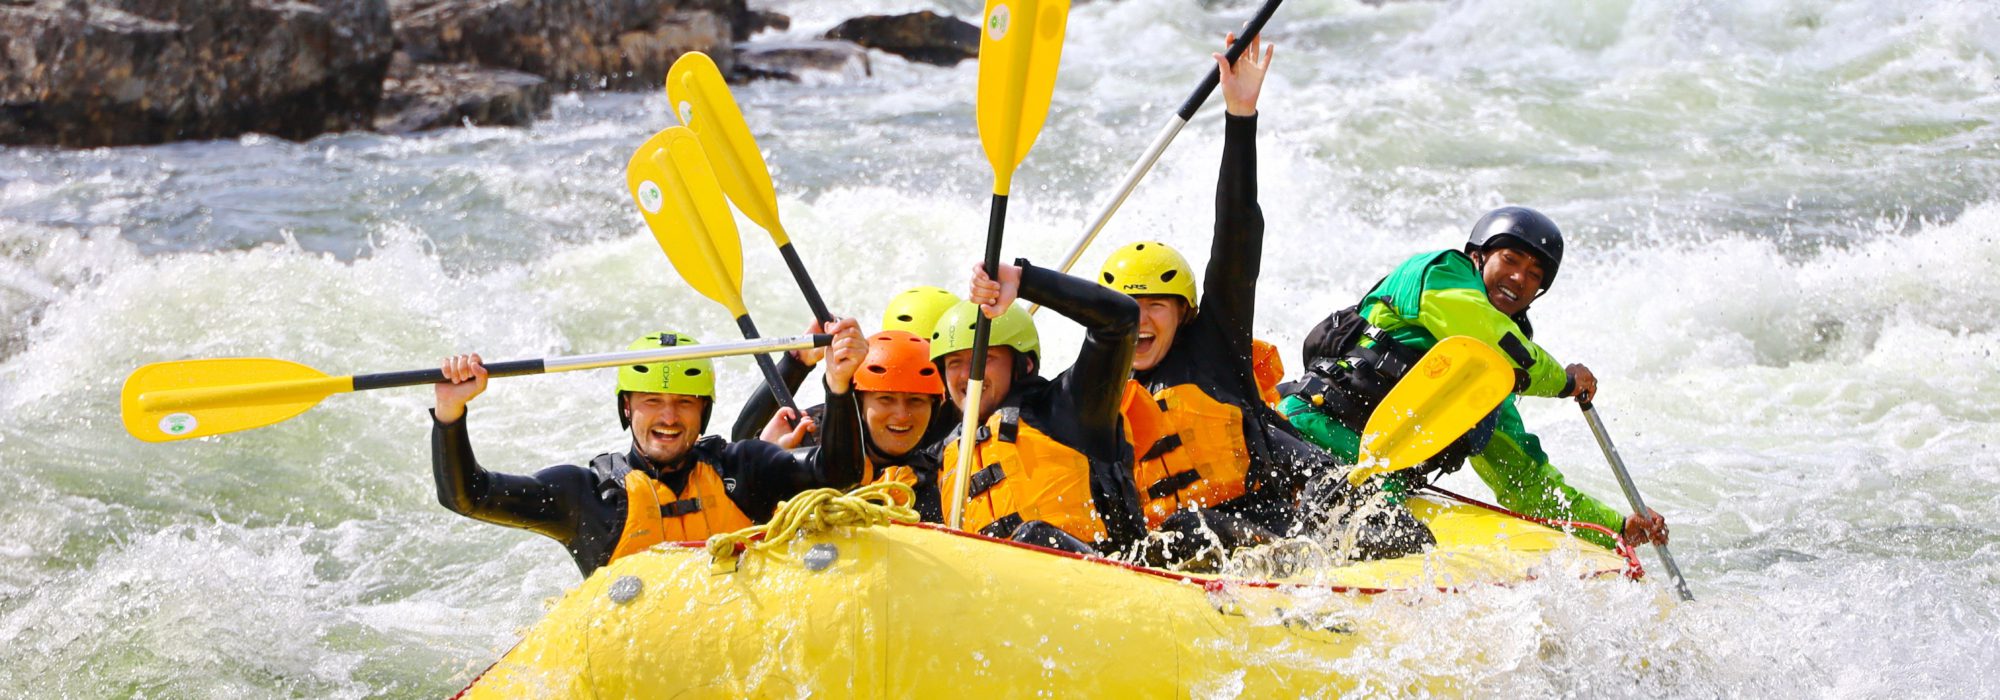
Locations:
column 983, row 327
column 1207, row 86
column 771, row 378
column 806, row 285
column 384, row 380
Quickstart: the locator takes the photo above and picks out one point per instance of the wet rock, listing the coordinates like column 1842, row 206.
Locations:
column 785, row 60
column 114, row 72
column 747, row 22
column 626, row 44
column 920, row 36
column 423, row 96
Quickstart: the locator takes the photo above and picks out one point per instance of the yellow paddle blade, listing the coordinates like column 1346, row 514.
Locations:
column 676, row 191
column 1020, row 44
column 702, row 99
column 1457, row 383
column 167, row 401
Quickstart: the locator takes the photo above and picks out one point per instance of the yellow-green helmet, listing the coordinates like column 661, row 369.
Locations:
column 916, row 310
column 1149, row 267
column 689, row 377
column 1014, row 329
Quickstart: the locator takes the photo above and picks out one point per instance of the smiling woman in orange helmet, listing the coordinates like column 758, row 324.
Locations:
column 914, row 310
column 900, row 394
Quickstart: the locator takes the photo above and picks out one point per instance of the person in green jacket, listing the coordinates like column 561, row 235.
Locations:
column 1358, row 353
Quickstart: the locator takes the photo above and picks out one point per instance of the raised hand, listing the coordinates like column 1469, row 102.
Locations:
column 781, row 431
column 1242, row 82
column 467, row 378
column 844, row 356
column 994, row 297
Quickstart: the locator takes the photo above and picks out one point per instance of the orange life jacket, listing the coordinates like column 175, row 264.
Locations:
column 1190, row 449
column 1269, row 369
column 1020, row 474
column 655, row 514
column 900, row 473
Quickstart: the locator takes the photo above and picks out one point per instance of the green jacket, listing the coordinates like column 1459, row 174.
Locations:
column 1438, row 295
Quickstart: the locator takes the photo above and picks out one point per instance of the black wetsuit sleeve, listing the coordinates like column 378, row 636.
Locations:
column 548, row 503
column 1094, row 385
column 766, row 474
column 838, row 462
column 1235, row 257
column 761, row 406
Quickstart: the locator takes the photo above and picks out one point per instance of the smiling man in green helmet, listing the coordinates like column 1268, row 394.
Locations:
column 670, row 484
column 1356, row 356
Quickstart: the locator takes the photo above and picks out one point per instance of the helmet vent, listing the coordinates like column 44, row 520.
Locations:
column 1140, row 246
column 640, row 369
column 1107, row 278
column 925, row 372
column 693, row 372
column 878, row 369
column 906, row 318
column 1169, row 275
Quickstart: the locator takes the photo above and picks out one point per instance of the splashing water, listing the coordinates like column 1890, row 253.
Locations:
column 1782, row 228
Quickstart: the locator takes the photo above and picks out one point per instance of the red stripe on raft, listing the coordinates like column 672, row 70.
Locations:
column 1633, row 570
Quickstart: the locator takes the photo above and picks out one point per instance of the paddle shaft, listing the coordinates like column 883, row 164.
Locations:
column 517, row 368
column 1166, row 135
column 982, row 330
column 1632, row 494
column 806, row 285
column 290, row 391
column 771, row 378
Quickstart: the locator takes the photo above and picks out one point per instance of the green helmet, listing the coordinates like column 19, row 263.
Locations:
column 916, row 310
column 689, row 377
column 1014, row 329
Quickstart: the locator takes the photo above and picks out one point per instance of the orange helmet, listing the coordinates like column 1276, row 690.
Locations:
column 898, row 361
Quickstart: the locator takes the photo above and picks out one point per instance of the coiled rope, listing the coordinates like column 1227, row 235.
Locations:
column 873, row 505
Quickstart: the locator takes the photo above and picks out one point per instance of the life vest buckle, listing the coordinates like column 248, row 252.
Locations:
column 985, row 479
column 685, row 506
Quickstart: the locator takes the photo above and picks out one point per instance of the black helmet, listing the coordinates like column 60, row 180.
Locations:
column 1523, row 228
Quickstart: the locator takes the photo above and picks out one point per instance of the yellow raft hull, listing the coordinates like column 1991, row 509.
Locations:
column 914, row 611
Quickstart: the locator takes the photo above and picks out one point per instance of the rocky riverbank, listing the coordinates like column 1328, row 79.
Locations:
column 90, row 73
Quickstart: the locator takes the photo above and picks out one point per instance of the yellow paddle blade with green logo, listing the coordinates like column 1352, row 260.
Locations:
column 167, row 401
column 1455, row 385
column 1020, row 44
column 676, row 190
column 702, row 99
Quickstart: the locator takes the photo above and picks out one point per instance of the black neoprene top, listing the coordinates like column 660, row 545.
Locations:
column 1213, row 351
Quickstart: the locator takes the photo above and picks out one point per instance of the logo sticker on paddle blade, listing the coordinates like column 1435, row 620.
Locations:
column 178, row 424
column 650, row 197
column 1437, row 366
column 997, row 21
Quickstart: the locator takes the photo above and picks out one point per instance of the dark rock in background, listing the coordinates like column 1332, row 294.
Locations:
column 747, row 22
column 608, row 44
column 436, row 95
column 785, row 60
column 86, row 73
column 920, row 36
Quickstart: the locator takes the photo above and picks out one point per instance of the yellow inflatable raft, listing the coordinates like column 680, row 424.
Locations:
column 919, row 611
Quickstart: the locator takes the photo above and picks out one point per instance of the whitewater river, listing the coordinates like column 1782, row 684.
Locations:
column 1784, row 238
